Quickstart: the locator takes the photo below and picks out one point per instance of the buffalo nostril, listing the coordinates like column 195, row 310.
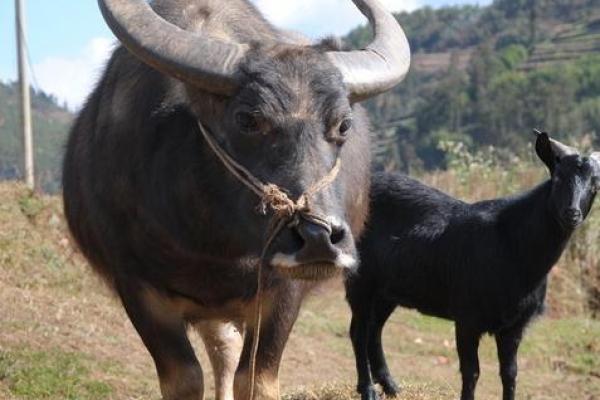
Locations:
column 311, row 233
column 337, row 234
column 297, row 240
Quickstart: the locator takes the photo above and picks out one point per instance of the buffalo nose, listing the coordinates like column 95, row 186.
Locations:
column 319, row 243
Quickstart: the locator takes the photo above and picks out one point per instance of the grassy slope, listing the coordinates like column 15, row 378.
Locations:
column 63, row 336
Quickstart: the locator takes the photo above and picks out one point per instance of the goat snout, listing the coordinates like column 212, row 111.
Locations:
column 572, row 216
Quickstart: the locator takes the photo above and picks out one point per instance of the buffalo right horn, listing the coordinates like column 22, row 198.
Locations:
column 192, row 57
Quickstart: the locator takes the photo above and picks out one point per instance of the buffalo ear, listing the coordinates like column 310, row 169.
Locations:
column 543, row 148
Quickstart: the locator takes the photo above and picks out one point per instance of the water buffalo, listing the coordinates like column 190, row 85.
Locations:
column 169, row 227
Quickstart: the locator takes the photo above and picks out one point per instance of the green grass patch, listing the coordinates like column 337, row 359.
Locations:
column 565, row 344
column 31, row 205
column 49, row 375
column 426, row 323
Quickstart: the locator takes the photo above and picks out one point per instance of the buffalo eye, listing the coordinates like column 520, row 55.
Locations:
column 345, row 126
column 247, row 121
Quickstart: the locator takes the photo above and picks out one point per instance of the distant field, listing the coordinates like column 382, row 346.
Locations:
column 63, row 336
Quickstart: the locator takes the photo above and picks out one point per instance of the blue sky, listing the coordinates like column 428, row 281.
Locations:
column 68, row 41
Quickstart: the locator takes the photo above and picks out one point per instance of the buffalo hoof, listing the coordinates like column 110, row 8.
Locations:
column 368, row 393
column 390, row 388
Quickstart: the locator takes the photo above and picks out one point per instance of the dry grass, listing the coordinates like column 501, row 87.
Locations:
column 64, row 336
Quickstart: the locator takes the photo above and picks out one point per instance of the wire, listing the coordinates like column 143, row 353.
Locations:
column 34, row 80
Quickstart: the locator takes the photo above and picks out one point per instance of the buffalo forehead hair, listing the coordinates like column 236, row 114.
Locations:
column 286, row 76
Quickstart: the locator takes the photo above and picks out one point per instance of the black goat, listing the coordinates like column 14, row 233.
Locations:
column 482, row 265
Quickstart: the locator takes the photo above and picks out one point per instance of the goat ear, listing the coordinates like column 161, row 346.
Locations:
column 557, row 149
column 562, row 150
column 595, row 157
column 543, row 148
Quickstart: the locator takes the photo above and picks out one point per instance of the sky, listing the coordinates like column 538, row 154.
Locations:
column 68, row 42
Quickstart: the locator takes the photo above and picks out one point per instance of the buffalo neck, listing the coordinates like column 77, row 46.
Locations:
column 531, row 229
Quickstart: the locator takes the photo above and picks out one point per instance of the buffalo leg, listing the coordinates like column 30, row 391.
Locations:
column 163, row 331
column 508, row 344
column 382, row 310
column 280, row 310
column 467, row 344
column 223, row 342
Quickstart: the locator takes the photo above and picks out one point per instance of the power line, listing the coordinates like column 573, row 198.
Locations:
column 36, row 84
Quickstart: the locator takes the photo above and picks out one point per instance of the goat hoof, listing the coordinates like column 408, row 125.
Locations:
column 368, row 393
column 390, row 388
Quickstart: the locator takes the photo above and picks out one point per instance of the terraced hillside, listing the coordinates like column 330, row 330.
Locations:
column 562, row 43
column 572, row 41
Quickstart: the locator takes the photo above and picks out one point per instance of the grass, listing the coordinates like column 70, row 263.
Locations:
column 63, row 335
column 50, row 375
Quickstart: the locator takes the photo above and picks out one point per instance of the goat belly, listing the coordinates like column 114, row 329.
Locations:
column 430, row 299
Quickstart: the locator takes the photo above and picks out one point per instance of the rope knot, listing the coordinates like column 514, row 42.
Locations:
column 281, row 204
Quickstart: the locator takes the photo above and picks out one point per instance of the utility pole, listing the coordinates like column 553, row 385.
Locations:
column 25, row 100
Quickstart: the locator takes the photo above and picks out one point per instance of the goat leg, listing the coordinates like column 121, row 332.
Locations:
column 467, row 344
column 507, row 344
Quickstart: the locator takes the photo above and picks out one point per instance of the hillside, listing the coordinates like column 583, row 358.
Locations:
column 485, row 76
column 568, row 28
column 50, row 126
column 570, row 42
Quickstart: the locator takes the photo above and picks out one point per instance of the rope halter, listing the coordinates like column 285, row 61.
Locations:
column 271, row 195
column 285, row 212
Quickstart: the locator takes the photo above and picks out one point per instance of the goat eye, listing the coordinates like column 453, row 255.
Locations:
column 247, row 121
column 345, row 126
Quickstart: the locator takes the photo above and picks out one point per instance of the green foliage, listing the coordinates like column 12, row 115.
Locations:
column 432, row 29
column 513, row 56
column 459, row 27
column 497, row 103
column 532, row 65
column 50, row 126
column 31, row 205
